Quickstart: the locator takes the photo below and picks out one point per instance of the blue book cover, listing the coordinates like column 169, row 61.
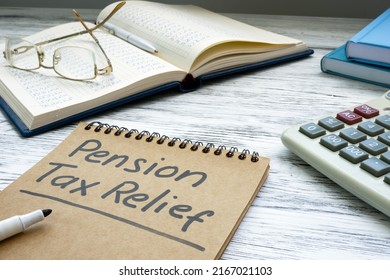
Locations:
column 337, row 63
column 372, row 43
column 189, row 84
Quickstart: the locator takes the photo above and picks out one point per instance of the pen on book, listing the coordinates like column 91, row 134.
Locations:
column 131, row 38
column 18, row 224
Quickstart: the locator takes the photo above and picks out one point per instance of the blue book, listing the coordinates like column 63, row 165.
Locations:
column 337, row 63
column 372, row 43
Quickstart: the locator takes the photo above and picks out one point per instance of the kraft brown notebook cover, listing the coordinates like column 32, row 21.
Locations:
column 120, row 194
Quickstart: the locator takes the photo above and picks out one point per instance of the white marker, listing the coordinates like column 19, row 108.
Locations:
column 131, row 38
column 18, row 224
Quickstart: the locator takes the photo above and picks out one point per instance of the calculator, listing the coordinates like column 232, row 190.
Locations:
column 351, row 148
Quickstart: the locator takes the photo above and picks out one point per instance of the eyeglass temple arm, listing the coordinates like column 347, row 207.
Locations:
column 107, row 70
column 23, row 49
column 100, row 24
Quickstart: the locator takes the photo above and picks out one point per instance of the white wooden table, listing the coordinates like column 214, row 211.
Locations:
column 299, row 213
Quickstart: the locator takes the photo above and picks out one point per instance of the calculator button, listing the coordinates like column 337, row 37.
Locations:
column 371, row 128
column 375, row 166
column 353, row 154
column 331, row 123
column 373, row 146
column 333, row 142
column 353, row 135
column 387, row 179
column 383, row 121
column 386, row 157
column 349, row 117
column 366, row 111
column 385, row 138
column 312, row 130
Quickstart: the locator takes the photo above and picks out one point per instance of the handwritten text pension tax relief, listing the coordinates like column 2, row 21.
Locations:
column 128, row 193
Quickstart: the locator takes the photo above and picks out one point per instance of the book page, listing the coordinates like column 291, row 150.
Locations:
column 182, row 32
column 118, row 197
column 41, row 94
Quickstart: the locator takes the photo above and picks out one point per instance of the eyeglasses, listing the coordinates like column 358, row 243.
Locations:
column 70, row 62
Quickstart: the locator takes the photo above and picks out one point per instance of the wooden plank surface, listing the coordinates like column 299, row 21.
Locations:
column 299, row 213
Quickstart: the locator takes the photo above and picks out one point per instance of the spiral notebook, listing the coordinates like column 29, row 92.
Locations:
column 117, row 193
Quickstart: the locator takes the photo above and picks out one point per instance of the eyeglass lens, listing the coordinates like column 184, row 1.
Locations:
column 21, row 54
column 74, row 63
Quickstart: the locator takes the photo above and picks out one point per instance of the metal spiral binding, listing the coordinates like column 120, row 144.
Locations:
column 161, row 139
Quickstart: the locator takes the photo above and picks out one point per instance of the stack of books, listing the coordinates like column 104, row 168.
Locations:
column 364, row 57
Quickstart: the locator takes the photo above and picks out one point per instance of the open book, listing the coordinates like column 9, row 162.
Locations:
column 193, row 45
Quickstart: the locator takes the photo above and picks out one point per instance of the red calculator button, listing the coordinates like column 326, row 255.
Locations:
column 366, row 111
column 349, row 117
